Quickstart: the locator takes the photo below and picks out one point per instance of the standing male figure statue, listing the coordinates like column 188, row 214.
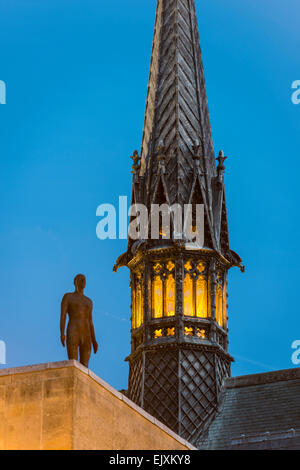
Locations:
column 80, row 329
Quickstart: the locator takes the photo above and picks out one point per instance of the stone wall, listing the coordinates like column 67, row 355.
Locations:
column 63, row 405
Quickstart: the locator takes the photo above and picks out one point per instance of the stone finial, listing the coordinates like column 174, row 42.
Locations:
column 136, row 161
column 221, row 159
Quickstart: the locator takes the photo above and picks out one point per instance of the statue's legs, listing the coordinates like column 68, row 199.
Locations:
column 85, row 352
column 79, row 340
column 72, row 347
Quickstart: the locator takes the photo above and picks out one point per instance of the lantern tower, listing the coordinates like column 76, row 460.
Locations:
column 179, row 336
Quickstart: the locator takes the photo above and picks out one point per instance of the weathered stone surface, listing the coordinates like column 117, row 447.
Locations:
column 63, row 405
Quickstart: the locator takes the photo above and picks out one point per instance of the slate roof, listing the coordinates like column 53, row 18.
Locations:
column 260, row 411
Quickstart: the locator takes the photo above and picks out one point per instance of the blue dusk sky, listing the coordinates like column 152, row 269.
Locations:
column 76, row 73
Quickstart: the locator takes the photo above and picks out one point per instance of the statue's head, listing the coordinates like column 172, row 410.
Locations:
column 79, row 281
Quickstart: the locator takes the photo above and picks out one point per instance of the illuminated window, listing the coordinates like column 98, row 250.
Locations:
column 188, row 266
column 163, row 290
column 170, row 296
column 157, row 297
column 170, row 266
column 196, row 296
column 201, row 333
column 171, row 331
column 158, row 334
column 201, row 267
column 188, row 331
column 138, row 305
column 188, row 296
column 157, row 267
column 133, row 316
column 219, row 304
column 209, row 298
column 224, row 307
column 201, row 297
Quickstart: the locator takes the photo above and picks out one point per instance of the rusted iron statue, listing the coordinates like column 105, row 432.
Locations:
column 80, row 329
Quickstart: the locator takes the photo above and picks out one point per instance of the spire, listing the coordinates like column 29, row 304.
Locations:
column 177, row 162
column 176, row 110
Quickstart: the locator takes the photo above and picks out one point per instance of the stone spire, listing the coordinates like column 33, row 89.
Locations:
column 177, row 162
column 176, row 111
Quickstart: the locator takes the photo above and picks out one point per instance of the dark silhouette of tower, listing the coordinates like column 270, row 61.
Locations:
column 179, row 338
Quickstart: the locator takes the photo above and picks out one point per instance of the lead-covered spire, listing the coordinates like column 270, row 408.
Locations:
column 177, row 162
column 176, row 116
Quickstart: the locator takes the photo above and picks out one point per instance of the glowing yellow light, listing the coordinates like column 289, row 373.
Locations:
column 188, row 296
column 170, row 266
column 201, row 267
column 209, row 298
column 201, row 333
column 170, row 296
column 219, row 304
column 224, row 307
column 158, row 334
column 201, row 297
column 157, row 267
column 138, row 306
column 188, row 331
column 157, row 297
column 133, row 316
column 188, row 266
column 171, row 331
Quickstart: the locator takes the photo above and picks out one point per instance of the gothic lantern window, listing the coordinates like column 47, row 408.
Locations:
column 221, row 303
column 171, row 331
column 157, row 297
column 137, row 303
column 133, row 309
column 225, row 306
column 188, row 296
column 189, row 331
column 170, row 296
column 195, row 291
column 158, row 334
column 201, row 297
column 163, row 290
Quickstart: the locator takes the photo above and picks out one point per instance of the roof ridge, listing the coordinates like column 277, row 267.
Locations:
column 263, row 378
